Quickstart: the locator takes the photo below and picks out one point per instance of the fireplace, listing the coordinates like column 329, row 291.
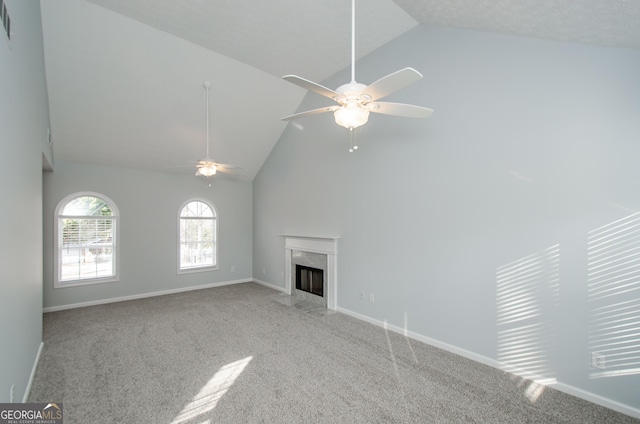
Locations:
column 310, row 280
column 311, row 269
column 308, row 276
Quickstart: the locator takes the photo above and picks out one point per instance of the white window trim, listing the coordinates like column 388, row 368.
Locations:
column 57, row 284
column 206, row 268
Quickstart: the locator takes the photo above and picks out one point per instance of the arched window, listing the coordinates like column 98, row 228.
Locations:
column 198, row 237
column 86, row 240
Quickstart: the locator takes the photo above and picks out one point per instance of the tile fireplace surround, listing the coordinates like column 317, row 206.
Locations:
column 322, row 245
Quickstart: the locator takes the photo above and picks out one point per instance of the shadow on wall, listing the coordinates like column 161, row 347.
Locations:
column 613, row 252
column 528, row 294
column 526, row 289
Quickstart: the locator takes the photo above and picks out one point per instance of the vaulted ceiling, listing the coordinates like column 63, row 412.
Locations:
column 125, row 76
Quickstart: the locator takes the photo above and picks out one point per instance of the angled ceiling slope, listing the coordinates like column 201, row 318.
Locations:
column 279, row 37
column 124, row 76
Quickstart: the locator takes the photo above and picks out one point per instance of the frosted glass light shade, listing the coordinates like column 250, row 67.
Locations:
column 351, row 115
column 208, row 170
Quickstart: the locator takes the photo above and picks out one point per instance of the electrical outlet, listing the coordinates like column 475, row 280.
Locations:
column 371, row 298
column 233, row 269
column 362, row 295
column 264, row 270
column 12, row 393
column 597, row 360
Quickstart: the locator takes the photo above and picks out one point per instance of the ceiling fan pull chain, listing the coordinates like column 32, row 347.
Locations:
column 352, row 140
column 355, row 145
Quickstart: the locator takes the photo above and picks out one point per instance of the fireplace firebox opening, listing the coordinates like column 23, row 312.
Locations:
column 310, row 280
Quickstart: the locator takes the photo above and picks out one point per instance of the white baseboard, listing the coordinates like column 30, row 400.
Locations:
column 271, row 286
column 33, row 373
column 583, row 394
column 142, row 295
column 424, row 339
column 597, row 399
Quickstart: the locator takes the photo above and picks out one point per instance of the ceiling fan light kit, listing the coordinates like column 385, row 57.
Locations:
column 206, row 169
column 355, row 101
column 351, row 116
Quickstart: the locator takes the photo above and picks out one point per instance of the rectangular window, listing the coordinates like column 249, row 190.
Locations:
column 197, row 239
column 86, row 240
column 197, row 243
column 86, row 249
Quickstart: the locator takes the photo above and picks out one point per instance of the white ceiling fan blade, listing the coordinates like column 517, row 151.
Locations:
column 227, row 171
column 311, row 112
column 225, row 167
column 312, row 86
column 178, row 166
column 401, row 109
column 391, row 83
column 228, row 166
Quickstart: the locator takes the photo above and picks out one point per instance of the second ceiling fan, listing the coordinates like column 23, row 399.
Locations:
column 206, row 166
column 355, row 101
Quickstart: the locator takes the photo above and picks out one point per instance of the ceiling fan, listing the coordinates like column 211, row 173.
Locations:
column 206, row 166
column 355, row 101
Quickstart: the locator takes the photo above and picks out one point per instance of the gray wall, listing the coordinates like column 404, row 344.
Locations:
column 533, row 144
column 149, row 203
column 24, row 119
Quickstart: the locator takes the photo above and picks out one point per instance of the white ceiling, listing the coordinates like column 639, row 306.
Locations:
column 125, row 76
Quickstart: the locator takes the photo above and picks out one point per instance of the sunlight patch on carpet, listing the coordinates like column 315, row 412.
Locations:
column 208, row 397
column 534, row 391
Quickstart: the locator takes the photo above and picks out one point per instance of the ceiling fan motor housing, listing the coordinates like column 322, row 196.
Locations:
column 350, row 91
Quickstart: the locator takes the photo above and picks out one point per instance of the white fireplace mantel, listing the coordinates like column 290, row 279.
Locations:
column 323, row 245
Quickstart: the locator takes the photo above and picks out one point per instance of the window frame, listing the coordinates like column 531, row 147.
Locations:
column 115, row 216
column 216, row 244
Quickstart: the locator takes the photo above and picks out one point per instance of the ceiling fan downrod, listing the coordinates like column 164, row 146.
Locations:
column 353, row 41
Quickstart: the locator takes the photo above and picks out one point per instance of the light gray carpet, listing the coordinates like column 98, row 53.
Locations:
column 236, row 354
